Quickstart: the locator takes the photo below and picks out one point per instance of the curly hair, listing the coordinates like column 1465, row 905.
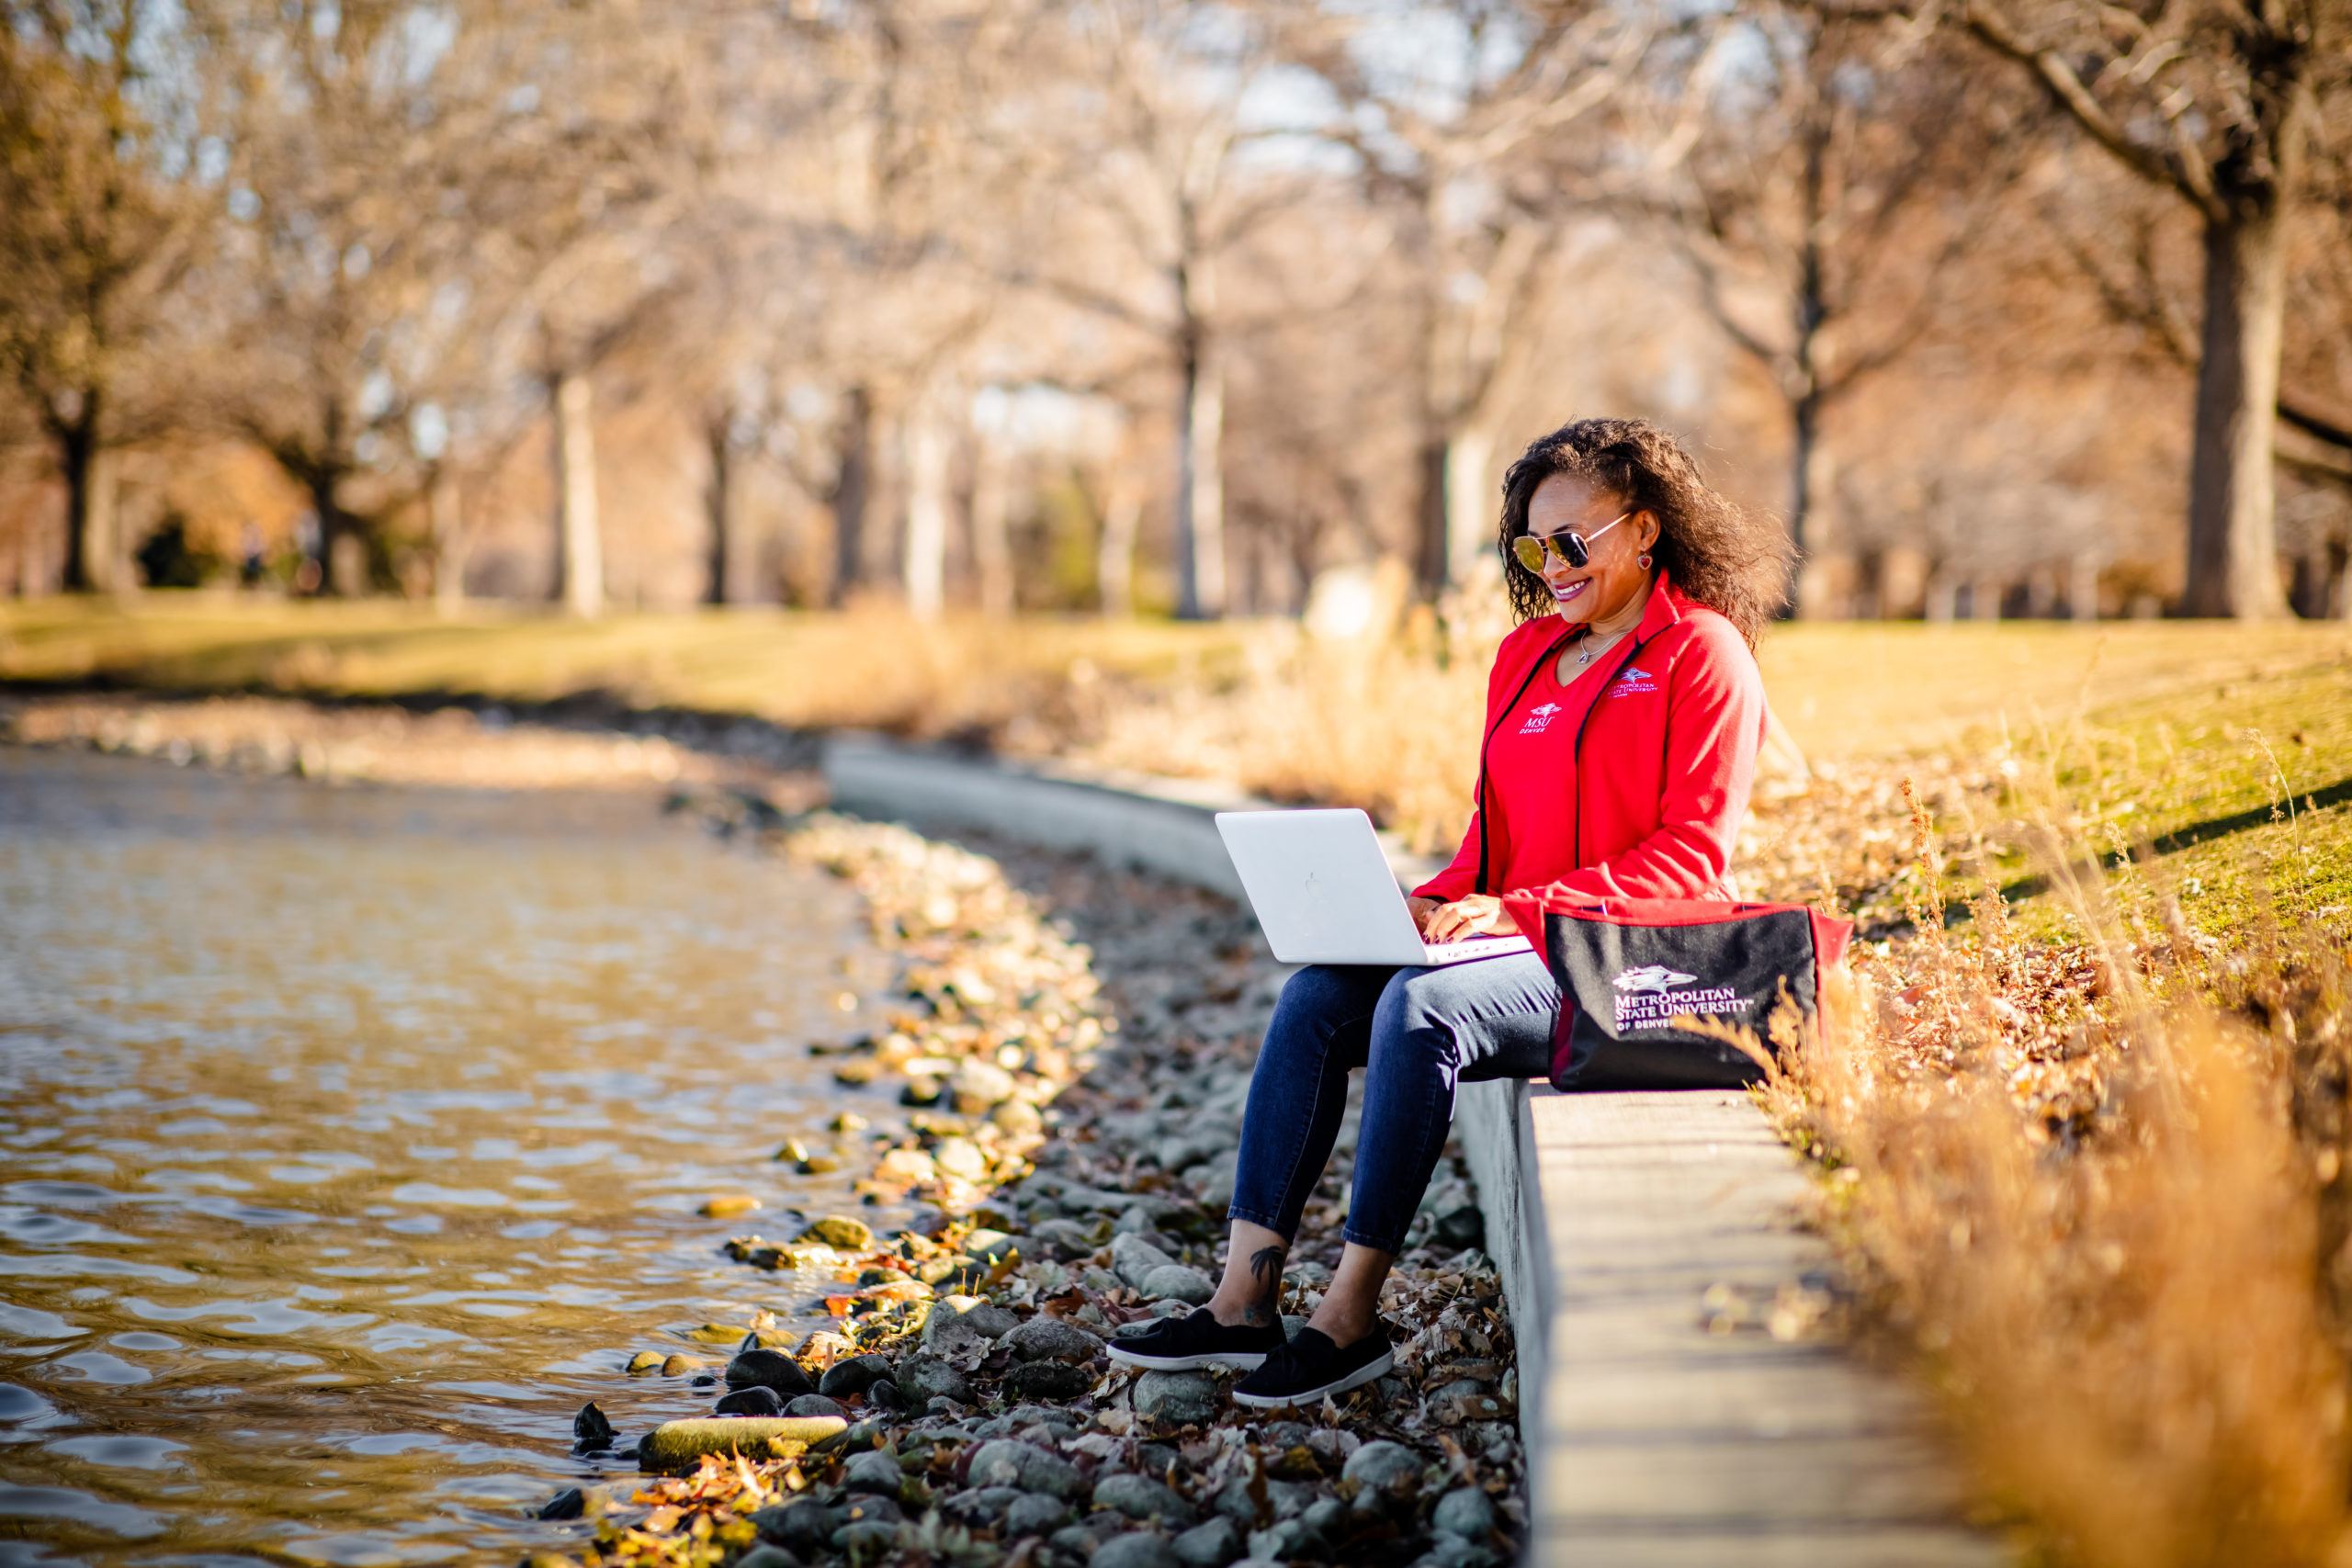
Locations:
column 1731, row 561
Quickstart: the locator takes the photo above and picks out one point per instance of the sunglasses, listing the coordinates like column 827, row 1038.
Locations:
column 1574, row 549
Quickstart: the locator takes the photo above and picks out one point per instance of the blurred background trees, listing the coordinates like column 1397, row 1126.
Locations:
column 2015, row 308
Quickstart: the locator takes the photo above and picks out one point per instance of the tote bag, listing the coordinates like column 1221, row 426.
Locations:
column 1628, row 968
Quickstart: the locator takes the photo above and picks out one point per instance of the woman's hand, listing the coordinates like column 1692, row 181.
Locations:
column 1481, row 914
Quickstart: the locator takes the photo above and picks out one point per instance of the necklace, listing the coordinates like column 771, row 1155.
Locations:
column 1591, row 650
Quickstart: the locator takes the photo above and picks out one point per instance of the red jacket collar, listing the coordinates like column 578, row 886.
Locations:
column 1667, row 604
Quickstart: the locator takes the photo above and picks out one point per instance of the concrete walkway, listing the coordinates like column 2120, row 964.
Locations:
column 1672, row 1426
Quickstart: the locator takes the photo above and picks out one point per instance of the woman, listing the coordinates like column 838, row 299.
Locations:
column 1620, row 740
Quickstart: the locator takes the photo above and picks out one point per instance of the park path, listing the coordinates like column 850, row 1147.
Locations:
column 1666, row 1441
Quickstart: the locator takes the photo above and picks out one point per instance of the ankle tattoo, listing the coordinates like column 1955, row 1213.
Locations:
column 1266, row 1278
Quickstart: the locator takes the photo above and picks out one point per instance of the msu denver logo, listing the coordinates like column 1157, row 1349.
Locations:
column 1633, row 679
column 1652, row 977
column 1539, row 719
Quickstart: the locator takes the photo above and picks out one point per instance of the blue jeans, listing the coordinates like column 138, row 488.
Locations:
column 1417, row 1034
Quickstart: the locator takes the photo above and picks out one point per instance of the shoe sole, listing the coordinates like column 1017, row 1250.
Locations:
column 1357, row 1378
column 1245, row 1360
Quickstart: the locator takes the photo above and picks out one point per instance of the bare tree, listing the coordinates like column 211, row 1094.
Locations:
column 103, row 206
column 1819, row 175
column 2217, row 105
column 1442, row 108
column 1156, row 134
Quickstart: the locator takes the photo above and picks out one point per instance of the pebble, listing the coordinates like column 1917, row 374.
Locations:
column 961, row 1158
column 1132, row 1258
column 1385, row 1471
column 1050, row 1380
column 840, row 1232
column 1177, row 1281
column 726, row 1205
column 1467, row 1512
column 803, row 1522
column 854, row 1375
column 1008, row 1464
column 568, row 1503
column 873, row 1470
column 922, row 1379
column 753, row 1399
column 645, row 1362
column 1179, row 1398
column 1044, row 1338
column 679, row 1365
column 868, row 1539
column 591, row 1431
column 1066, row 1239
column 980, row 1086
column 815, row 1405
column 906, row 1168
column 1137, row 1548
column 1212, row 1545
column 1017, row 1118
column 767, row 1369
column 955, row 1321
column 1034, row 1513
column 1141, row 1497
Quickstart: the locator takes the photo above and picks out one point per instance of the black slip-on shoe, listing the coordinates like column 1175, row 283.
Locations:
column 1310, row 1366
column 1197, row 1339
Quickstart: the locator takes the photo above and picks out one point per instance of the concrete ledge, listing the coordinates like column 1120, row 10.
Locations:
column 1652, row 1437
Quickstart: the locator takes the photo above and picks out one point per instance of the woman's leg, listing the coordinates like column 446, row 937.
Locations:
column 1434, row 1029
column 1298, row 1091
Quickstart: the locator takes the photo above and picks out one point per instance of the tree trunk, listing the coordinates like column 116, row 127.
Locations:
column 717, row 503
column 2232, row 532
column 1473, row 509
column 1199, row 489
column 579, row 577
column 1431, row 546
column 1115, row 562
column 94, row 558
column 1805, row 414
column 445, row 509
column 991, row 547
column 924, row 564
column 852, row 490
column 337, row 567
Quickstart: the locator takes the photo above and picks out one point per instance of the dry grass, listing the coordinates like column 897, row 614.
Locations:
column 2096, row 1192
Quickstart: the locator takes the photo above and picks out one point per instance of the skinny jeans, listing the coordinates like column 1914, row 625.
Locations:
column 1417, row 1033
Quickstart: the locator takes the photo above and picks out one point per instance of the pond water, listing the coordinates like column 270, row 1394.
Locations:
column 351, row 1139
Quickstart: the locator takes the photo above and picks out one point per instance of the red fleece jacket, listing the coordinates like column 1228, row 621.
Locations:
column 1632, row 781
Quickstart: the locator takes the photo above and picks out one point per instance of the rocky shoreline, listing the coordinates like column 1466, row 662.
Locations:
column 1073, row 1047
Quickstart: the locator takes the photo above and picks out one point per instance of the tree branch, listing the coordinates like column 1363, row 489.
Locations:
column 2187, row 176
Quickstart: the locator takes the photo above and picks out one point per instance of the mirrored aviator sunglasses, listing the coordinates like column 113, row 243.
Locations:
column 1575, row 550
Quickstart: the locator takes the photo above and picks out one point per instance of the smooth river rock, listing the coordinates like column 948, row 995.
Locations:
column 1044, row 1338
column 1178, row 1281
column 1141, row 1497
column 769, row 1369
column 1137, row 1548
column 922, row 1379
column 1180, row 1398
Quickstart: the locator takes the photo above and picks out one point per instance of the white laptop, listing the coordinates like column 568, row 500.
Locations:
column 1324, row 894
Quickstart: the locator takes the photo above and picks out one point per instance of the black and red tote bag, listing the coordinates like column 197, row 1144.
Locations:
column 1627, row 968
